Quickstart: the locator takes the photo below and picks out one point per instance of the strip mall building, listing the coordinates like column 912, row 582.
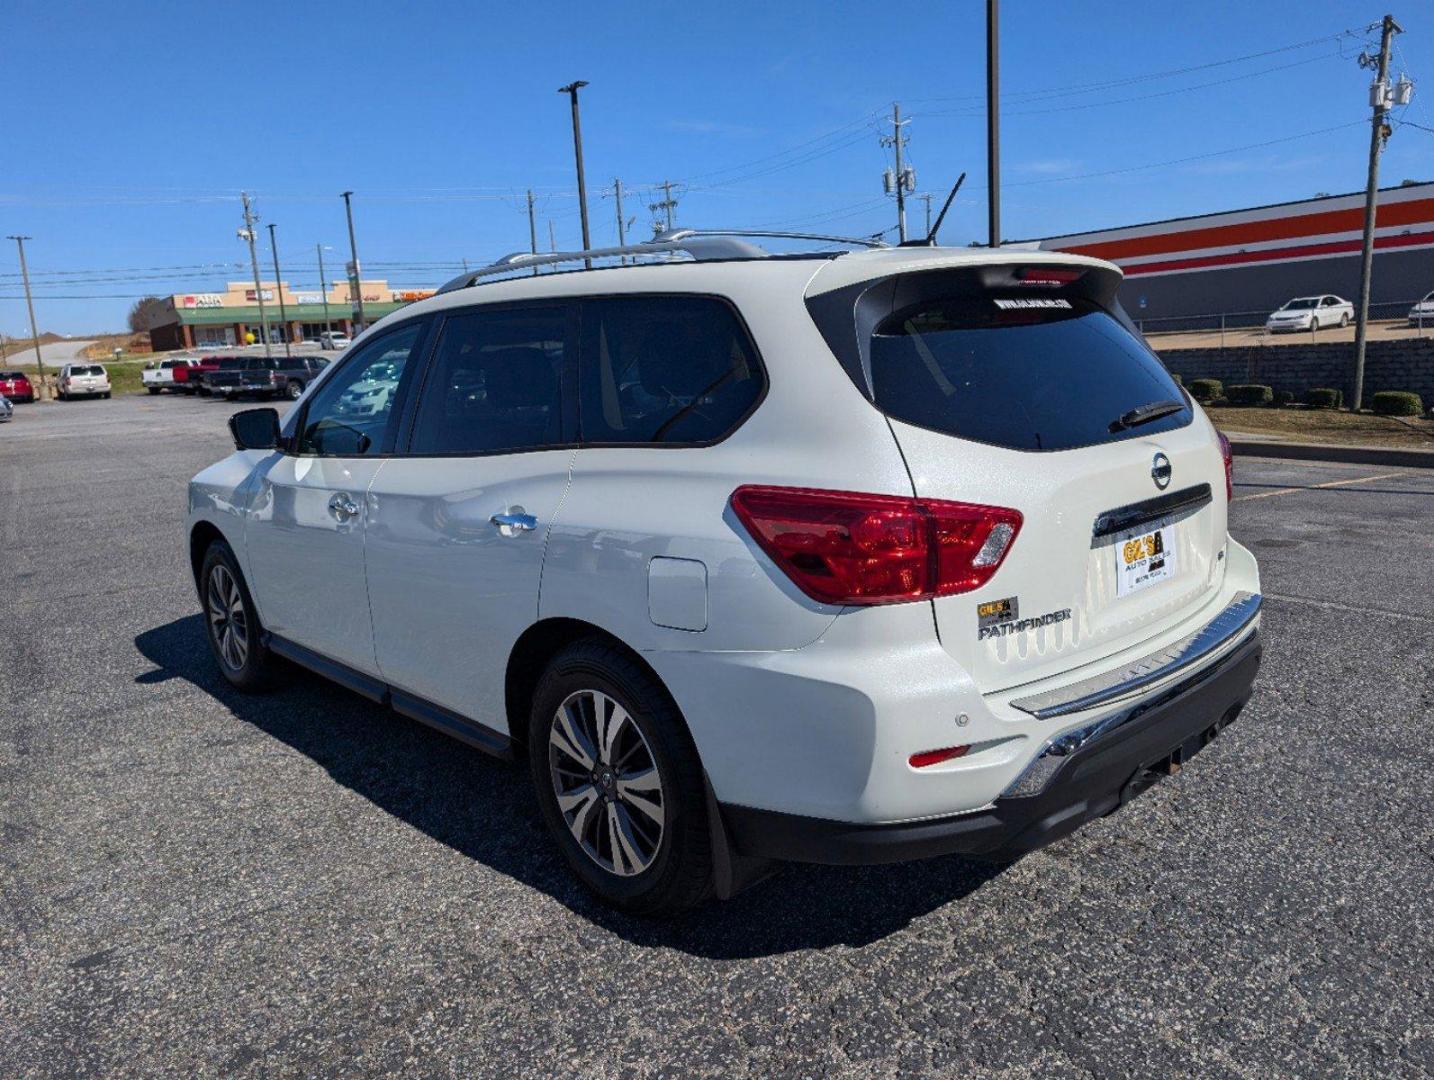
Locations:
column 1252, row 261
column 217, row 319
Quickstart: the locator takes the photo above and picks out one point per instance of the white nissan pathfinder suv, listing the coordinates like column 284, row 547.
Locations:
column 846, row 557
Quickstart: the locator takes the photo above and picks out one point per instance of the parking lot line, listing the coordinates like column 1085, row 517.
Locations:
column 1312, row 487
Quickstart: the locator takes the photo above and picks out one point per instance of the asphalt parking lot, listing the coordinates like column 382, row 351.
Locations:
column 200, row 883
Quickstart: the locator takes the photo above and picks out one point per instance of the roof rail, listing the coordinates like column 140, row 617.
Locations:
column 700, row 244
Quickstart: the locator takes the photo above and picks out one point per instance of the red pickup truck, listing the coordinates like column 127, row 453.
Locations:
column 186, row 379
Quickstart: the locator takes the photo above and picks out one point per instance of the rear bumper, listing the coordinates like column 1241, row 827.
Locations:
column 1070, row 789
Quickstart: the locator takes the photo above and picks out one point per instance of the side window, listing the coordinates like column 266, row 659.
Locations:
column 664, row 369
column 351, row 413
column 495, row 383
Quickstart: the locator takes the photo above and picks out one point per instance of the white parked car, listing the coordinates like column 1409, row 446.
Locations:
column 159, row 374
column 1311, row 313
column 334, row 339
column 848, row 558
column 1422, row 313
column 82, row 380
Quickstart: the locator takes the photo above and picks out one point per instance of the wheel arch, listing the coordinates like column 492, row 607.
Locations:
column 532, row 653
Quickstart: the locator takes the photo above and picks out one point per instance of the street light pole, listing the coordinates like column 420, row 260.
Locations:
column 324, row 289
column 30, row 306
column 572, row 91
column 279, row 288
column 993, row 121
column 355, row 282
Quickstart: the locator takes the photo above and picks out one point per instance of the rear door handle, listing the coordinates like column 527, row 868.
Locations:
column 342, row 506
column 514, row 522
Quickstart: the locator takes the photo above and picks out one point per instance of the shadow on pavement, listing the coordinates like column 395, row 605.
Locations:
column 484, row 809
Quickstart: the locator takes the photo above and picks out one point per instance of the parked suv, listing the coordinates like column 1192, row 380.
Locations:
column 160, row 374
column 16, row 386
column 848, row 558
column 83, row 380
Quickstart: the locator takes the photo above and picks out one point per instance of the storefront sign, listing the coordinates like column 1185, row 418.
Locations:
column 408, row 296
column 268, row 294
column 203, row 300
column 308, row 298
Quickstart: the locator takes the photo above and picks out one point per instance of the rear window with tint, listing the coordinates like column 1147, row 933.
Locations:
column 664, row 369
column 12, row 374
column 1028, row 373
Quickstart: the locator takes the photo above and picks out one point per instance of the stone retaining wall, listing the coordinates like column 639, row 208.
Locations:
column 1406, row 364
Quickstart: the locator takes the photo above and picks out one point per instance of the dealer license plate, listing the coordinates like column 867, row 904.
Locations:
column 1144, row 557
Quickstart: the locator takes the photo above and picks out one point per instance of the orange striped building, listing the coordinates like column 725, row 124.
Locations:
column 1252, row 261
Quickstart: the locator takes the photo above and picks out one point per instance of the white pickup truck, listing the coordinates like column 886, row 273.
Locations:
column 159, row 374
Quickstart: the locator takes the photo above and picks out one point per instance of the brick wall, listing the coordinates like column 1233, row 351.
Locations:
column 1405, row 364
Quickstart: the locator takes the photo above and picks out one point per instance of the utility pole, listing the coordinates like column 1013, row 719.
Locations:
column 902, row 182
column 247, row 232
column 279, row 288
column 30, row 306
column 324, row 289
column 355, row 278
column 1378, row 133
column 572, row 91
column 532, row 229
column 993, row 120
column 665, row 205
column 552, row 237
column 621, row 226
column 926, row 198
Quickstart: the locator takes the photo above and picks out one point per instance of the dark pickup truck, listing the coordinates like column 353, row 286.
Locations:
column 274, row 377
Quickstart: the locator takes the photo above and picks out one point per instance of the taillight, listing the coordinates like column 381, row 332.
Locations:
column 1229, row 457
column 842, row 547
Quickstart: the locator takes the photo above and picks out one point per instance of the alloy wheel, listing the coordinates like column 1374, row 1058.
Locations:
column 227, row 622
column 607, row 783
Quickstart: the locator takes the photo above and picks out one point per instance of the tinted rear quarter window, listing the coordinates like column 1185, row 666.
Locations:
column 665, row 369
column 1023, row 372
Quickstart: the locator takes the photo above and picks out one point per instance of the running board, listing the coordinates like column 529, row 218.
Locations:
column 479, row 736
column 1189, row 650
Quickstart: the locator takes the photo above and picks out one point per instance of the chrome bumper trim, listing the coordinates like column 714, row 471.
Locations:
column 1192, row 648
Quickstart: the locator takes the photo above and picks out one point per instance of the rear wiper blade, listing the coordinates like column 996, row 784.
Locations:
column 1144, row 414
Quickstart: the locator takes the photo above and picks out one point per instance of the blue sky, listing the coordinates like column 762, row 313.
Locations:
column 128, row 130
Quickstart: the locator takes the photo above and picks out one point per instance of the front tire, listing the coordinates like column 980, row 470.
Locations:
column 619, row 782
column 294, row 390
column 231, row 624
column 1343, row 321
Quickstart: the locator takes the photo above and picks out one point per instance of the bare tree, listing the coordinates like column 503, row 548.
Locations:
column 140, row 312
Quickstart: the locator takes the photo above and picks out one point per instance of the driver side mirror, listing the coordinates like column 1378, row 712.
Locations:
column 255, row 429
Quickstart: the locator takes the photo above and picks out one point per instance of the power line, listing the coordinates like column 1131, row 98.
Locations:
column 1075, row 88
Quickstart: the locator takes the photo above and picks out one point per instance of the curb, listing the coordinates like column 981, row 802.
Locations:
column 1352, row 455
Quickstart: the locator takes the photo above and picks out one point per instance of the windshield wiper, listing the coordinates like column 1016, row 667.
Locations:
column 1144, row 414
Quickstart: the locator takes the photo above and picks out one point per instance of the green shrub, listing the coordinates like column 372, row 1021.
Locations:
column 1205, row 390
column 1249, row 394
column 1396, row 403
column 1284, row 397
column 1324, row 398
column 1178, row 380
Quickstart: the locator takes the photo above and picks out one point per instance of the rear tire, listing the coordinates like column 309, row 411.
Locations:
column 153, row 390
column 294, row 390
column 232, row 625
column 106, row 395
column 1343, row 321
column 632, row 821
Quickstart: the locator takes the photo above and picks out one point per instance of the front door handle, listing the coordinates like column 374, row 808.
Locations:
column 343, row 507
column 514, row 522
